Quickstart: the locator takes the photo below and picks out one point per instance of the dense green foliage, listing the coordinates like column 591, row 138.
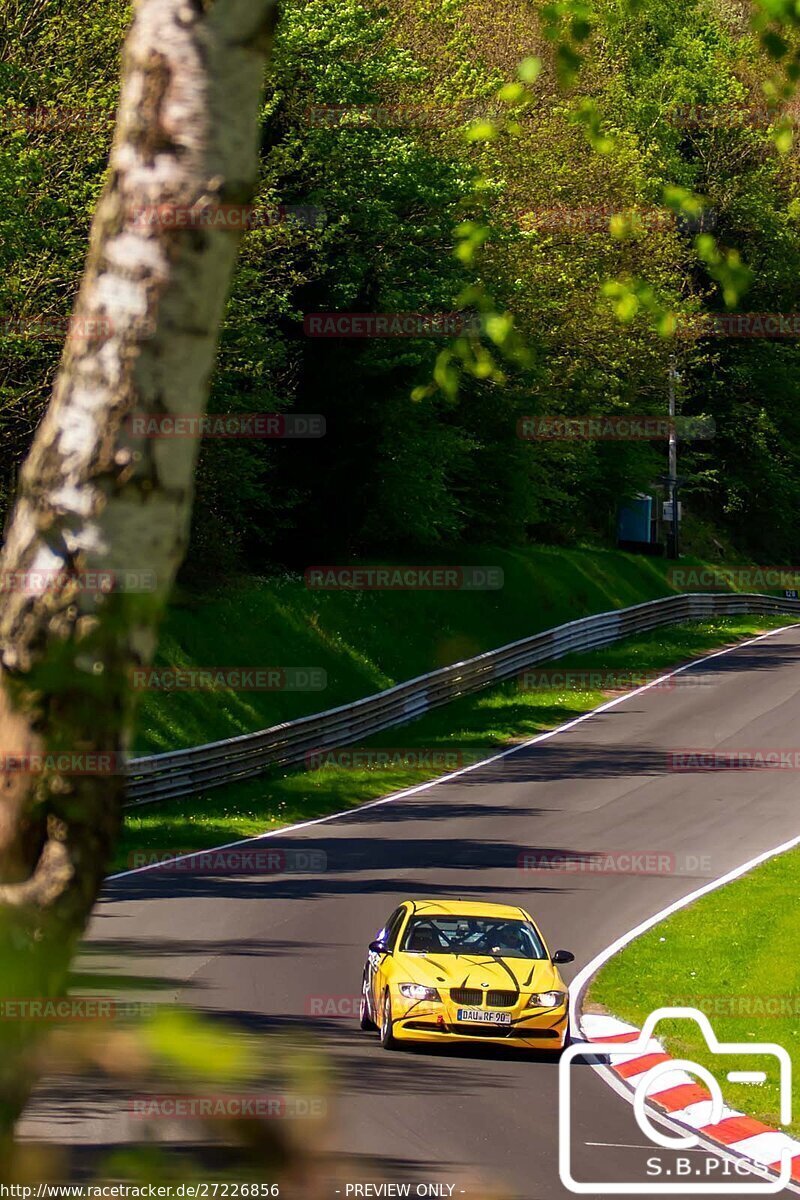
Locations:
column 397, row 473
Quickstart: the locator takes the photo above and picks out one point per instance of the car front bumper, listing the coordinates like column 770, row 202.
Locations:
column 544, row 1029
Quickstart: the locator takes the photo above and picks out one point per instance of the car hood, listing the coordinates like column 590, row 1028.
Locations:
column 478, row 971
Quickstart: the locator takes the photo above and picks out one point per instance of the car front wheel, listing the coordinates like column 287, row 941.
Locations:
column 388, row 1040
column 364, row 1017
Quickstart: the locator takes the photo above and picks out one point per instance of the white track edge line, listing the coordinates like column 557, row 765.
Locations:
column 579, row 983
column 422, row 787
column 582, row 979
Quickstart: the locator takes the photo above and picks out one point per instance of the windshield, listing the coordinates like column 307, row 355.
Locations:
column 473, row 935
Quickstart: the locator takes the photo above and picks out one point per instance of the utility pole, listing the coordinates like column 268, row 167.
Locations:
column 673, row 543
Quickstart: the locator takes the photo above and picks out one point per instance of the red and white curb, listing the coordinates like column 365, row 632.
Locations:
column 686, row 1101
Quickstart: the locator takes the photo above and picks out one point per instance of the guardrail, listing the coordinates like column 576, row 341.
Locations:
column 182, row 772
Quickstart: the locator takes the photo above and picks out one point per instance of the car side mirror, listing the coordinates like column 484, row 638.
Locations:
column 563, row 956
column 379, row 947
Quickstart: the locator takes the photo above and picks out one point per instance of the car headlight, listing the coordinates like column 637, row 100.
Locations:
column 417, row 991
column 546, row 1000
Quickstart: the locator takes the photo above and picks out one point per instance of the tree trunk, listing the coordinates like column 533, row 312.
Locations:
column 98, row 497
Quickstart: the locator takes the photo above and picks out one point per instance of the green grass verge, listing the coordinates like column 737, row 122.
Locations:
column 733, row 955
column 367, row 641
column 473, row 724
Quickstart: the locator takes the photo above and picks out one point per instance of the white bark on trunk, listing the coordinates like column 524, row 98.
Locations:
column 94, row 497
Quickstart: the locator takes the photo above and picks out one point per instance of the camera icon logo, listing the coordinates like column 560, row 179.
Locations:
column 690, row 1136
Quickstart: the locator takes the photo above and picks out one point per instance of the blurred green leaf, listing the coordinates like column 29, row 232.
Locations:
column 529, row 69
column 481, row 131
column 185, row 1042
column 512, row 93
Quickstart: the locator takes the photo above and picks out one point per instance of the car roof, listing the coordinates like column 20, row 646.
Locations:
column 465, row 908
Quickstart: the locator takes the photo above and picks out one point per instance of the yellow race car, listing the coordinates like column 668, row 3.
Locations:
column 464, row 971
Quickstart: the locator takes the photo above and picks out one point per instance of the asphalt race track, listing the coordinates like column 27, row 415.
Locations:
column 268, row 950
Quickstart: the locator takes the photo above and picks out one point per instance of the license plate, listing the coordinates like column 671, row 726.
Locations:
column 482, row 1016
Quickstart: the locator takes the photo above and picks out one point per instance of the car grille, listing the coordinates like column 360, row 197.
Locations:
column 501, row 999
column 471, row 996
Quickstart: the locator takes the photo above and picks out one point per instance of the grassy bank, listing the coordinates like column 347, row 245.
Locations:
column 366, row 641
column 469, row 727
column 732, row 955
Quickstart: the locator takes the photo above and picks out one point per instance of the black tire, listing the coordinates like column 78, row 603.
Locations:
column 388, row 1040
column 365, row 1019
